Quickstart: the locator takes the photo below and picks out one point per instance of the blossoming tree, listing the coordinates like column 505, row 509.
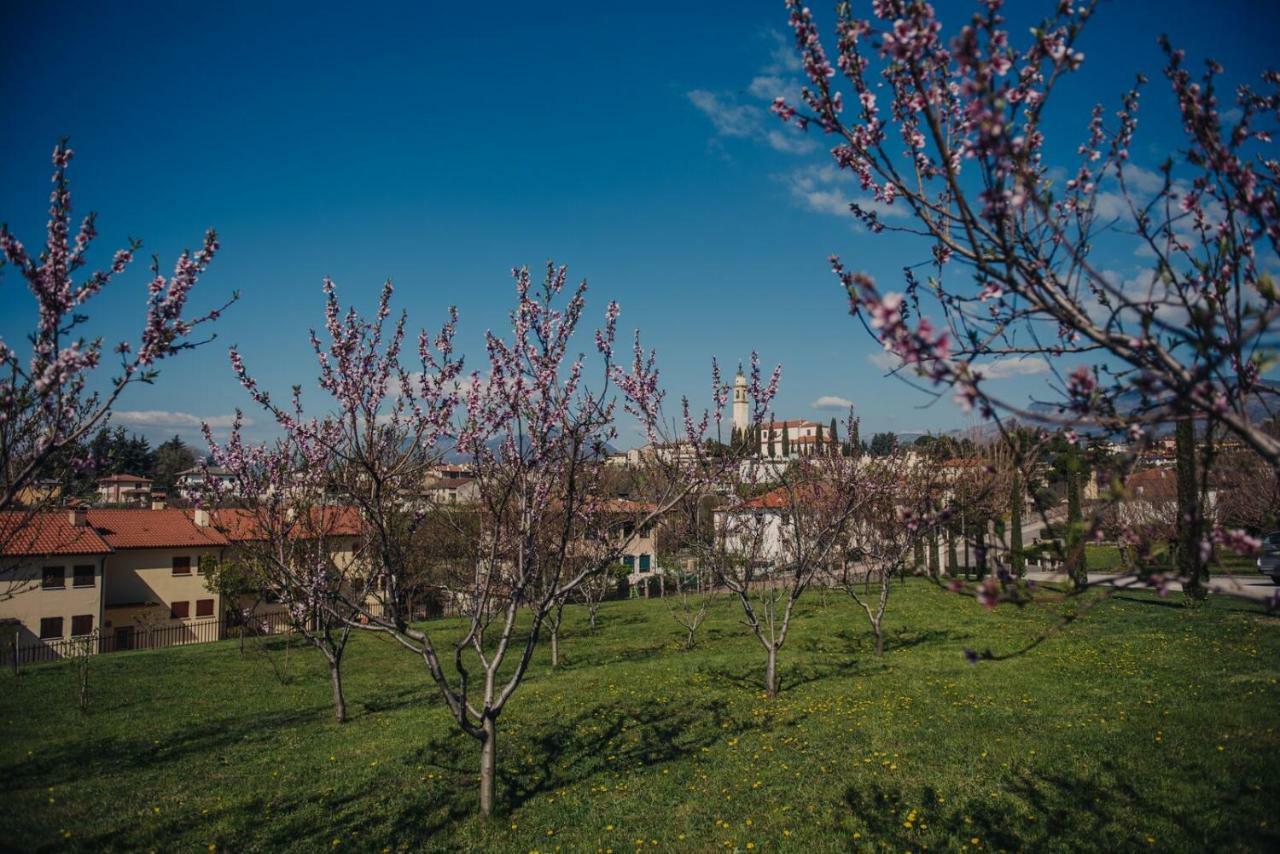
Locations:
column 950, row 129
column 52, row 398
column 533, row 433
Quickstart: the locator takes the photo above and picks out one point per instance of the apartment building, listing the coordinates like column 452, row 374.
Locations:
column 117, row 575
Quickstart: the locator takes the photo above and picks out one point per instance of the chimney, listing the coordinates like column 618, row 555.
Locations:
column 202, row 517
column 78, row 515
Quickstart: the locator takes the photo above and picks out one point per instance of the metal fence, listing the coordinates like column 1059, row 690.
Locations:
column 140, row 636
column 15, row 653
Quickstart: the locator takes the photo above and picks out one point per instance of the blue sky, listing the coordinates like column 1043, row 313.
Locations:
column 441, row 148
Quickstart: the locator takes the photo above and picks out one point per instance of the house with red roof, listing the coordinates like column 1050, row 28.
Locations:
column 116, row 576
column 124, row 489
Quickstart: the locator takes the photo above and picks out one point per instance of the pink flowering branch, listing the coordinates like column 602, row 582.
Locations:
column 46, row 403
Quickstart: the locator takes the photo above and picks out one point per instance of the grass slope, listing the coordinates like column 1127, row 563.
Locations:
column 1143, row 726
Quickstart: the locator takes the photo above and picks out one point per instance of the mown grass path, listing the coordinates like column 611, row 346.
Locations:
column 1144, row 726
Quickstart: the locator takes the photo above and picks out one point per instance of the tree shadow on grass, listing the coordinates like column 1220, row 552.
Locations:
column 1052, row 810
column 110, row 756
column 573, row 748
column 792, row 674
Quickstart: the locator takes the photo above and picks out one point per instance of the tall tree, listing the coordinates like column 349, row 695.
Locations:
column 883, row 444
column 172, row 457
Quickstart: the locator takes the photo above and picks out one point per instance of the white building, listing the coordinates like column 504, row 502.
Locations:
column 195, row 482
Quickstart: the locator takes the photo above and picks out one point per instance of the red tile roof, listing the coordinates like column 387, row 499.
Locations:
column 782, row 497
column 48, row 533
column 799, row 422
column 1158, row 484
column 242, row 524
column 152, row 529
column 124, row 478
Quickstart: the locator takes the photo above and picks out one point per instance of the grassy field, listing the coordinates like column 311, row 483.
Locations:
column 1143, row 726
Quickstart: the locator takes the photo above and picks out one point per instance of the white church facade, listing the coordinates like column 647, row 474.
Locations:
column 802, row 436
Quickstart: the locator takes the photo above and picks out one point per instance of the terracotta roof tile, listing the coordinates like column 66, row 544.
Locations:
column 152, row 529
column 49, row 533
column 242, row 524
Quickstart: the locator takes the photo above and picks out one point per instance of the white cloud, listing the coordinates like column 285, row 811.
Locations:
column 884, row 360
column 766, row 87
column 821, row 189
column 782, row 55
column 831, row 401
column 165, row 418
column 747, row 121
column 789, row 142
column 999, row 369
column 727, row 116
column 1013, row 366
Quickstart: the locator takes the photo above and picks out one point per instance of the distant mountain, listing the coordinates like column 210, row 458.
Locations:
column 454, row 456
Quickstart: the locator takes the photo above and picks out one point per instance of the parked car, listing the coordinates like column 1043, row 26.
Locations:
column 1269, row 559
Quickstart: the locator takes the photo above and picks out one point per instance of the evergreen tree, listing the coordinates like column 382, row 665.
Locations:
column 818, row 444
column 172, row 457
column 833, row 438
column 883, row 444
column 854, row 442
column 786, row 441
column 771, row 446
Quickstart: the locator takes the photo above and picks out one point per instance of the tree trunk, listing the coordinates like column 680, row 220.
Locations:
column 771, row 674
column 1190, row 567
column 488, row 765
column 1077, row 566
column 555, row 647
column 1016, row 561
column 335, row 679
column 875, row 628
column 953, row 562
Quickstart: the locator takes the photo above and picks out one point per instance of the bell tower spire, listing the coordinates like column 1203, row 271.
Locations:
column 740, row 402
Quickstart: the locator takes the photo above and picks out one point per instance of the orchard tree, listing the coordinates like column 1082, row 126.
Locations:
column 948, row 127
column 768, row 549
column 54, row 396
column 901, row 510
column 534, row 434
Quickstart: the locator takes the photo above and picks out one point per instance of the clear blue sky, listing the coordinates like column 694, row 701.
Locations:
column 441, row 147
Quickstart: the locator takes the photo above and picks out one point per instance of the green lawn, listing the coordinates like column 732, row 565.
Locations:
column 1144, row 726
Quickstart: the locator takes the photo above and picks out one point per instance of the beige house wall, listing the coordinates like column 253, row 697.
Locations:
column 141, row 587
column 29, row 603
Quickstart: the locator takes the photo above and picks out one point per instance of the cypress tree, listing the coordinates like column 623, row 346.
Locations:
column 834, row 438
column 854, row 442
column 771, row 449
column 817, row 442
column 786, row 441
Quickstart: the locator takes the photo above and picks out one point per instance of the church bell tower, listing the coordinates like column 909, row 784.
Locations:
column 740, row 403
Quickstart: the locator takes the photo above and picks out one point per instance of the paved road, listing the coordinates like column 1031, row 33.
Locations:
column 1256, row 586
